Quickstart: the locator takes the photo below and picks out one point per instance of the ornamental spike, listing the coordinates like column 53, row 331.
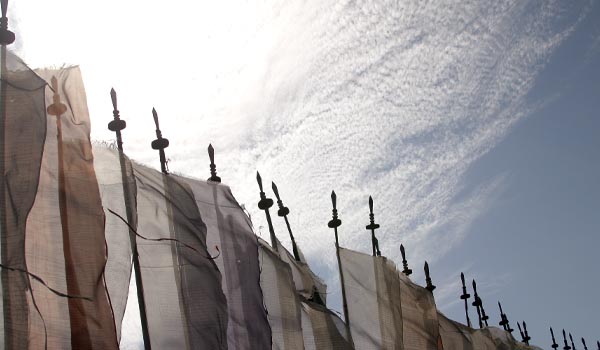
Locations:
column 429, row 286
column 521, row 332
column 264, row 204
column 160, row 144
column 584, row 345
column 572, row 342
column 405, row 270
column 117, row 124
column 527, row 337
column 566, row 347
column 283, row 212
column 213, row 168
column 554, row 345
column 464, row 297
column 372, row 226
column 477, row 304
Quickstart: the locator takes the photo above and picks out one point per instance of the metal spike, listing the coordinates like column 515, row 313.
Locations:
column 264, row 204
column 406, row 270
column 521, row 332
column 160, row 144
column 527, row 337
column 334, row 223
column 572, row 343
column 213, row 168
column 465, row 296
column 554, row 345
column 566, row 347
column 372, row 226
column 117, row 124
column 477, row 304
column 283, row 212
column 429, row 286
column 584, row 345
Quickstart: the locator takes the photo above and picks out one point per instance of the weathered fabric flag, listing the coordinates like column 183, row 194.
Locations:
column 22, row 138
column 419, row 317
column 186, row 308
column 374, row 302
column 322, row 329
column 65, row 242
column 305, row 280
column 455, row 335
column 117, row 191
column 281, row 300
column 229, row 229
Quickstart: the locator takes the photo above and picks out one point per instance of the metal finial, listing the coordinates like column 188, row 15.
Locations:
column 584, row 345
column 477, row 304
column 527, row 337
column 554, row 345
column 283, row 212
column 429, row 286
column 405, row 270
column 264, row 204
column 6, row 36
column 566, row 347
column 213, row 168
column 504, row 322
column 116, row 125
column 464, row 297
column 160, row 144
column 57, row 108
column 372, row 226
column 521, row 332
column 334, row 222
column 572, row 343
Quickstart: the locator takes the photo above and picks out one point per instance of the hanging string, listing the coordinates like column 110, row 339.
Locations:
column 165, row 238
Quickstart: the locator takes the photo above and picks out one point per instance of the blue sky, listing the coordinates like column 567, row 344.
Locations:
column 473, row 124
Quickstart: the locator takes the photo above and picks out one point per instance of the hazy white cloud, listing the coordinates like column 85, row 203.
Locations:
column 391, row 99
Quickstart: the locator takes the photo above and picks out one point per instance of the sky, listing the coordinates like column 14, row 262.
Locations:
column 473, row 124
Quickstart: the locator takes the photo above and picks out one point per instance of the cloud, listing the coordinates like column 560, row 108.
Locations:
column 390, row 99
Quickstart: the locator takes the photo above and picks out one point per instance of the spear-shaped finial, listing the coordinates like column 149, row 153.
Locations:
column 334, row 223
column 527, row 338
column 554, row 345
column 464, row 297
column 213, row 168
column 584, row 345
column 598, row 344
column 572, row 343
column 477, row 304
column 372, row 226
column 405, row 270
column 6, row 36
column 57, row 108
column 566, row 347
column 504, row 320
column 160, row 144
column 283, row 212
column 264, row 204
column 428, row 285
column 117, row 124
column 521, row 332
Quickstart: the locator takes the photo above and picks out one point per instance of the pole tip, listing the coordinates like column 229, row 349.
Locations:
column 275, row 190
column 211, row 152
column 155, row 117
column 371, row 204
column 259, row 180
column 333, row 199
column 113, row 98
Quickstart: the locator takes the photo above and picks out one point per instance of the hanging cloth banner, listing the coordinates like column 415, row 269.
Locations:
column 281, row 301
column 110, row 177
column 185, row 306
column 65, row 242
column 374, row 301
column 305, row 280
column 22, row 138
column 229, row 229
column 419, row 317
column 322, row 329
